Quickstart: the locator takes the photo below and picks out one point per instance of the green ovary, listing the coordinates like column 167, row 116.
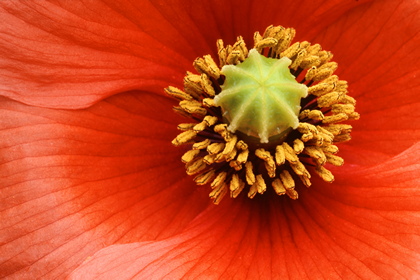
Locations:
column 260, row 97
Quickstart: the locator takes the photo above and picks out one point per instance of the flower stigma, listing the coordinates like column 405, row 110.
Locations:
column 260, row 97
column 263, row 116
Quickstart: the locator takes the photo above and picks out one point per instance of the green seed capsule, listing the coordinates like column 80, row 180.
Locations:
column 260, row 97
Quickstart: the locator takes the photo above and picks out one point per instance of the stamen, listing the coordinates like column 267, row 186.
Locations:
column 280, row 155
column 236, row 186
column 253, row 149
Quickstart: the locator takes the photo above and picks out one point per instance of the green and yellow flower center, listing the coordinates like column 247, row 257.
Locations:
column 254, row 125
column 260, row 97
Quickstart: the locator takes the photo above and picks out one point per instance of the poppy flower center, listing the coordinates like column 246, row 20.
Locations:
column 260, row 97
column 253, row 125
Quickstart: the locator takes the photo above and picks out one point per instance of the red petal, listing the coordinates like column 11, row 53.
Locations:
column 69, row 55
column 346, row 231
column 73, row 182
column 376, row 48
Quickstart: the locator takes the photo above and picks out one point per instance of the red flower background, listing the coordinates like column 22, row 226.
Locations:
column 92, row 188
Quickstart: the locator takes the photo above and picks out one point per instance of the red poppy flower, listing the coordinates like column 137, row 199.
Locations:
column 91, row 186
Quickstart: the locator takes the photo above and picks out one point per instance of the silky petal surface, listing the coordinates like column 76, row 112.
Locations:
column 73, row 182
column 70, row 54
column 365, row 225
column 376, row 48
column 341, row 231
column 61, row 54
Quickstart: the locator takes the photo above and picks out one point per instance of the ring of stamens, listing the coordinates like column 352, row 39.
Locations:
column 227, row 162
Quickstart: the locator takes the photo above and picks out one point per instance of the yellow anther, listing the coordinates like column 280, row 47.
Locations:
column 317, row 140
column 200, row 127
column 208, row 102
column 335, row 118
column 325, row 56
column 201, row 145
column 219, row 180
column 280, row 156
column 243, row 156
column 325, row 71
column 177, row 93
column 273, row 31
column 230, row 156
column 298, row 146
column 210, row 159
column 241, row 145
column 260, row 183
column 341, row 86
column 305, row 180
column 235, row 164
column 307, row 128
column 215, row 148
column 230, row 145
column 342, row 138
column 334, row 160
column 240, row 44
column 193, row 107
column 184, row 137
column 347, row 100
column 252, row 191
column 289, row 184
column 238, row 186
column 339, row 128
column 195, row 166
column 250, row 177
column 278, row 187
column 192, row 85
column 265, row 43
column 210, row 120
column 189, row 156
column 223, row 131
column 342, row 108
column 269, row 161
column 291, row 51
column 285, row 37
column 292, row 193
column 311, row 73
column 234, row 182
column 289, row 153
column 332, row 149
column 221, row 50
column 314, row 49
column 186, row 126
column 300, row 169
column 207, row 85
column 326, row 138
column 218, row 193
column 324, row 131
column 234, row 57
column 205, row 177
column 257, row 38
column 323, row 87
column 354, row 116
column 287, row 180
column 181, row 112
column 298, row 59
column 311, row 114
column 316, row 153
column 325, row 174
column 306, row 137
column 328, row 99
column 310, row 61
column 207, row 66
